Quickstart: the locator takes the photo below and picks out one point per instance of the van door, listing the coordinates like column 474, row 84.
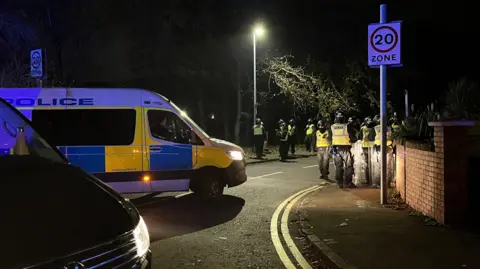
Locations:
column 171, row 154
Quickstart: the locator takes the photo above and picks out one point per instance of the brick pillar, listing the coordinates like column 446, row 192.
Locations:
column 454, row 138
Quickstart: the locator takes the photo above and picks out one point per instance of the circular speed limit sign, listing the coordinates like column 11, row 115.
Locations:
column 384, row 44
column 384, row 39
column 36, row 60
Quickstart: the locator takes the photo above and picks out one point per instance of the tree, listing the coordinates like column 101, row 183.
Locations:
column 461, row 100
column 16, row 37
column 316, row 90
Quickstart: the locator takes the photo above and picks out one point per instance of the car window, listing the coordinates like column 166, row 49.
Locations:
column 166, row 125
column 86, row 127
column 12, row 123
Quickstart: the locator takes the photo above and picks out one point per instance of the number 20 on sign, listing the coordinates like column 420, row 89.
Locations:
column 384, row 44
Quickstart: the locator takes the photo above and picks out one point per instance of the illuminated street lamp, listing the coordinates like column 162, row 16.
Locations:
column 257, row 31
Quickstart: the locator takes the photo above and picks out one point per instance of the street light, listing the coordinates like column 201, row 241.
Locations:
column 257, row 31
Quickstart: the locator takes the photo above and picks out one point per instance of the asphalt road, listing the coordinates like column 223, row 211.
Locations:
column 232, row 233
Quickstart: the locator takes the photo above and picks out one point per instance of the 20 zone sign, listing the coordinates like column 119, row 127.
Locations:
column 384, row 44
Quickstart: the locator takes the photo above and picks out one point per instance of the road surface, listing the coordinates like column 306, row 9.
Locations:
column 233, row 233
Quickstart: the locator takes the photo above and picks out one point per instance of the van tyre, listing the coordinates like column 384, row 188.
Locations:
column 212, row 188
column 208, row 186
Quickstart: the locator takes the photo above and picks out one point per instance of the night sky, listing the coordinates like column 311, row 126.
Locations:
column 146, row 44
column 439, row 39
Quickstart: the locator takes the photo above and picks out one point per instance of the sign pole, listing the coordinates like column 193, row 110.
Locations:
column 254, row 78
column 384, row 50
column 383, row 117
column 406, row 104
column 36, row 66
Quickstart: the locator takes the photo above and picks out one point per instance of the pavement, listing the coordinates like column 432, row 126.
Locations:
column 352, row 230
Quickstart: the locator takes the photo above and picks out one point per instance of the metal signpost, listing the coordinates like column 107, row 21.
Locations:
column 36, row 65
column 384, row 50
column 406, row 105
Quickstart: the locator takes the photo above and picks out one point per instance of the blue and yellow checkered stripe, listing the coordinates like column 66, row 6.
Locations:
column 6, row 151
column 90, row 158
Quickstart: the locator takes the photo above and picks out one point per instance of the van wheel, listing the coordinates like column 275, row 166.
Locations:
column 213, row 188
column 208, row 186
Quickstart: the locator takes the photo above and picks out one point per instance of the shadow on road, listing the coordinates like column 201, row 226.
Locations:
column 171, row 216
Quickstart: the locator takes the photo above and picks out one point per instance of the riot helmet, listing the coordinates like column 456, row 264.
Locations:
column 339, row 118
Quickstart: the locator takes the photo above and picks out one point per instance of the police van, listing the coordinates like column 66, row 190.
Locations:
column 135, row 140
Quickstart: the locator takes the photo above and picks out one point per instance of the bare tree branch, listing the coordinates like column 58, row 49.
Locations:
column 308, row 90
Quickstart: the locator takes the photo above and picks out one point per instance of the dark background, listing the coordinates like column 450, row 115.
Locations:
column 198, row 52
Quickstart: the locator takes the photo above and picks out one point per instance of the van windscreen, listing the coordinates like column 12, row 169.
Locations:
column 86, row 127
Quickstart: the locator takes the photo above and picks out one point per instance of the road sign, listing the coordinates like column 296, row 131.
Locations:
column 36, row 63
column 384, row 44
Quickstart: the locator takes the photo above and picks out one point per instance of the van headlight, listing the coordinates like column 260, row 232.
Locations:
column 142, row 238
column 235, row 155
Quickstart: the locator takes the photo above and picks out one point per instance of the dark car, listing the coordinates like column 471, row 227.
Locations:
column 55, row 215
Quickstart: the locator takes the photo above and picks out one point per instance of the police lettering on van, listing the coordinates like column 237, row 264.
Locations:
column 28, row 102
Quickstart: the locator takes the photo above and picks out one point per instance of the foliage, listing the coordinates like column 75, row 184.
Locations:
column 15, row 39
column 318, row 90
column 15, row 74
column 460, row 103
column 416, row 127
column 462, row 100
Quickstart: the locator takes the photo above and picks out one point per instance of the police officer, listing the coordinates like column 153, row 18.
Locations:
column 292, row 136
column 258, row 137
column 282, row 134
column 377, row 151
column 364, row 122
column 342, row 135
column 396, row 124
column 323, row 149
column 265, row 143
column 309, row 136
column 367, row 135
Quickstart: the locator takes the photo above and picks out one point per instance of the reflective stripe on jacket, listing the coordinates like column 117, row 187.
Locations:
column 323, row 139
column 340, row 135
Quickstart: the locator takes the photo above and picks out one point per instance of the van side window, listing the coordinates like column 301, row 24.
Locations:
column 166, row 125
column 86, row 127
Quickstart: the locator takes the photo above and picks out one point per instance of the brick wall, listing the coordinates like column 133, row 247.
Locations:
column 435, row 181
column 420, row 176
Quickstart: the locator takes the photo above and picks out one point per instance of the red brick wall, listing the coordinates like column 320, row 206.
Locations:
column 436, row 182
column 423, row 174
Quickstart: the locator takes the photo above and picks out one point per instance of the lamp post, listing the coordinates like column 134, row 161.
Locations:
column 257, row 31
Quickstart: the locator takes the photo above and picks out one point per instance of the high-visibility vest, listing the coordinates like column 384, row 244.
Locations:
column 291, row 130
column 323, row 139
column 378, row 135
column 258, row 129
column 340, row 135
column 310, row 129
column 365, row 142
column 395, row 127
